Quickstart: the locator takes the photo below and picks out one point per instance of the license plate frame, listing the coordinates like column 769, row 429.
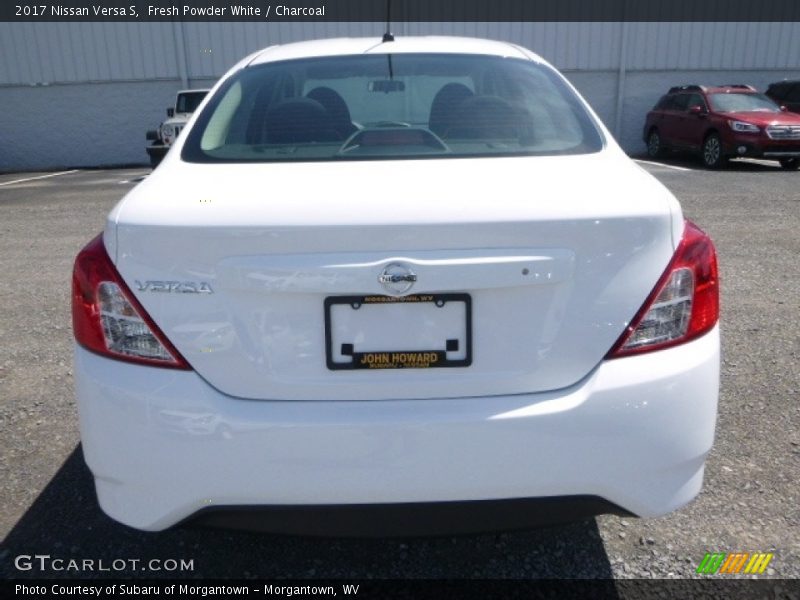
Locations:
column 414, row 359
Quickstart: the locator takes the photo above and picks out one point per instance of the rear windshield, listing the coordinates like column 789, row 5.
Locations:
column 742, row 103
column 391, row 106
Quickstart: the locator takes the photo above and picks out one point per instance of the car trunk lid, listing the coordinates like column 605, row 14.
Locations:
column 534, row 277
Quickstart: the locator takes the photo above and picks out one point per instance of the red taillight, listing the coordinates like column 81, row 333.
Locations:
column 683, row 305
column 107, row 318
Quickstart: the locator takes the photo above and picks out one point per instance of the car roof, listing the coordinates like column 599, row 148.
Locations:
column 731, row 89
column 401, row 44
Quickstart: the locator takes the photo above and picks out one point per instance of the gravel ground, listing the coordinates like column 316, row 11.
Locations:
column 749, row 502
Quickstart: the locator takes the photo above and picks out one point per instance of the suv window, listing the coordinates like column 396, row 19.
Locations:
column 680, row 102
column 793, row 94
column 695, row 100
column 391, row 106
column 663, row 103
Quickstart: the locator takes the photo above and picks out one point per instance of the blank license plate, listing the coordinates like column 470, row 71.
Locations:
column 411, row 332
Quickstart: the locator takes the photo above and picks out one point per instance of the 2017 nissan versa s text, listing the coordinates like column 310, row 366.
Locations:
column 395, row 286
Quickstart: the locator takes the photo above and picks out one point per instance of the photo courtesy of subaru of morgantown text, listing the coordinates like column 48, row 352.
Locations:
column 375, row 280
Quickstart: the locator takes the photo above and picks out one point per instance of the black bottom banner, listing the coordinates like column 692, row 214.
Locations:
column 411, row 589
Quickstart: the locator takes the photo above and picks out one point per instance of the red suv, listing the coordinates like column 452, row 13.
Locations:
column 723, row 122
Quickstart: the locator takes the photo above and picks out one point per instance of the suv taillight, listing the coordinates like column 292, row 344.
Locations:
column 683, row 305
column 107, row 318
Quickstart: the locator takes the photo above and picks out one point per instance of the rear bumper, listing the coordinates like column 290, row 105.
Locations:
column 408, row 519
column 164, row 445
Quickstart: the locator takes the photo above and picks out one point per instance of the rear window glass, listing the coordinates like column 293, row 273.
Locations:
column 391, row 106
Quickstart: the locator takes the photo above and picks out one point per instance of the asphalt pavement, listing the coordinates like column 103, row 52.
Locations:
column 749, row 502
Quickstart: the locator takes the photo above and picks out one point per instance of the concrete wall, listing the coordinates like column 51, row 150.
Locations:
column 642, row 89
column 79, row 125
column 96, row 124
column 599, row 88
column 82, row 125
column 33, row 53
column 84, row 94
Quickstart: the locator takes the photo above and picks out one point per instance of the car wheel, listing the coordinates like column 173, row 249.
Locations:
column 654, row 147
column 712, row 152
column 790, row 164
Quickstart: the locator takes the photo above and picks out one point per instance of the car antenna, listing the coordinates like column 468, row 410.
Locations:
column 388, row 36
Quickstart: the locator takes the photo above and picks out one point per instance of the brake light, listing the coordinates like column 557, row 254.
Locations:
column 683, row 305
column 107, row 318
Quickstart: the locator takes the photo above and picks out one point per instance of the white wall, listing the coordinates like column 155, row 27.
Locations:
column 644, row 88
column 33, row 53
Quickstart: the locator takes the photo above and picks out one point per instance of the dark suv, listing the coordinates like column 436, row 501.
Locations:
column 786, row 93
column 723, row 122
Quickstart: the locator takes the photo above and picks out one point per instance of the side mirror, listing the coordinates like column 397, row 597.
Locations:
column 783, row 108
column 170, row 112
column 697, row 110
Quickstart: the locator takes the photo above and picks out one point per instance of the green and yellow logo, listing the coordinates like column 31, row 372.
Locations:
column 733, row 563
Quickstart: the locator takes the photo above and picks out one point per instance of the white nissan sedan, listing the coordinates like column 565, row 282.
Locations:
column 393, row 287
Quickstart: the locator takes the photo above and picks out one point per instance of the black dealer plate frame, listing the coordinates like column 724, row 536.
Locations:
column 443, row 362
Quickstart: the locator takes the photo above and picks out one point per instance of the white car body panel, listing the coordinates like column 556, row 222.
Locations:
column 429, row 44
column 556, row 262
column 635, row 432
column 271, row 260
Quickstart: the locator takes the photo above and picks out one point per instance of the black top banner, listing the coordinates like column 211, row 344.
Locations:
column 401, row 10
